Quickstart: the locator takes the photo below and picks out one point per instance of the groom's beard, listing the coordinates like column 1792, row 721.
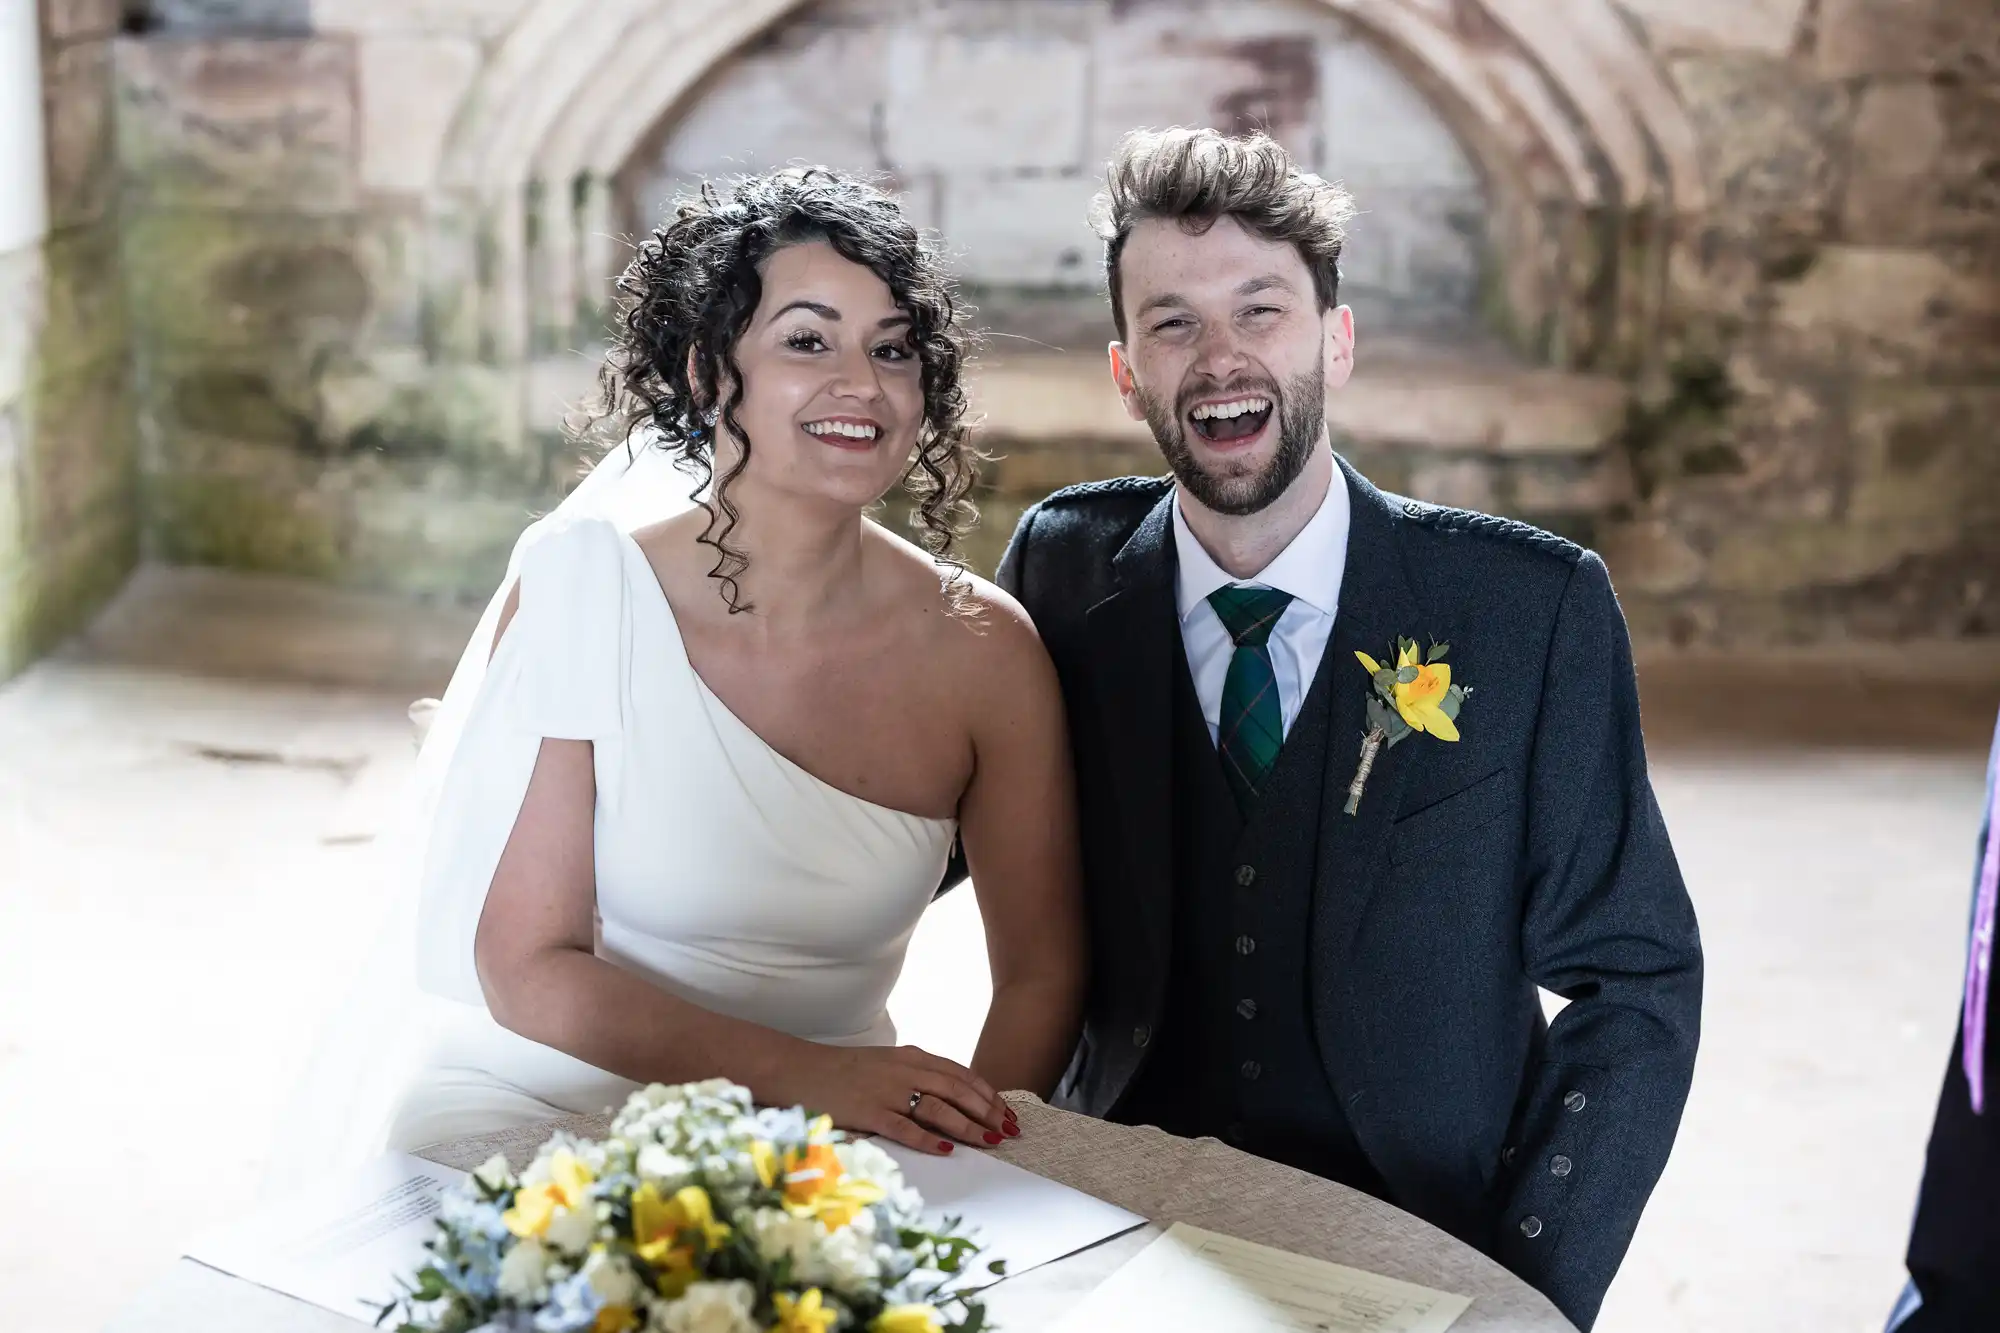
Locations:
column 1300, row 407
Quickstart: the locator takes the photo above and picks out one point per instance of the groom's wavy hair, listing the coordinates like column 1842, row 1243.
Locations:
column 1196, row 177
column 688, row 295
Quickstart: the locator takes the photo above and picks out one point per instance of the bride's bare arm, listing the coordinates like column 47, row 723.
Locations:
column 1018, row 821
column 535, row 953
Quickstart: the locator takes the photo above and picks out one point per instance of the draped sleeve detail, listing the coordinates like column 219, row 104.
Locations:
column 569, row 645
column 561, row 671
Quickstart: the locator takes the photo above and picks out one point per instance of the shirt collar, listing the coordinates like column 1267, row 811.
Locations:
column 1309, row 568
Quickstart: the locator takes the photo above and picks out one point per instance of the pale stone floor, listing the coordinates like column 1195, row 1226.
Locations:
column 184, row 871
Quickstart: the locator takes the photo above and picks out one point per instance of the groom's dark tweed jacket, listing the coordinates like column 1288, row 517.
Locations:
column 1529, row 853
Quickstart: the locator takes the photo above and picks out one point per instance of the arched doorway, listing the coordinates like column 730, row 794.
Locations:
column 993, row 118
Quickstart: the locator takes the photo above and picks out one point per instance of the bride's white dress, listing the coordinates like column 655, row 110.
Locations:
column 725, row 873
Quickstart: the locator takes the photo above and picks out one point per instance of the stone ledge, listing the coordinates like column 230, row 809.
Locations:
column 1422, row 402
column 218, row 623
column 213, row 622
column 1933, row 695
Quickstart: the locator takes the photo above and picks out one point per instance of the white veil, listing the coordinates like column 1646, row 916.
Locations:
column 339, row 1114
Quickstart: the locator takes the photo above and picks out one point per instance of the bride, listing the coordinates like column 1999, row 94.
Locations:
column 689, row 810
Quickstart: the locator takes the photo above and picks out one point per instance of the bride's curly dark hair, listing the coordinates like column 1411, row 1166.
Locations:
column 693, row 286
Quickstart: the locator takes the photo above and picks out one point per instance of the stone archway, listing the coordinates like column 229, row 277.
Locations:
column 1587, row 154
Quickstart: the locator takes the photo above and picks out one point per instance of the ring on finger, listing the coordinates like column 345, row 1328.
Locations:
column 915, row 1097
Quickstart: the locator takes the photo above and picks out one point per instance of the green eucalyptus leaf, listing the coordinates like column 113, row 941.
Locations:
column 1406, row 675
column 1385, row 679
column 1449, row 705
column 1381, row 717
column 1437, row 652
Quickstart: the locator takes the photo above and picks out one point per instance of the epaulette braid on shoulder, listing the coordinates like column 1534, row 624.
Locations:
column 1492, row 525
column 1148, row 486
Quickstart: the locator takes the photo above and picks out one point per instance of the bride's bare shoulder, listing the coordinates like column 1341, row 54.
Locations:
column 971, row 626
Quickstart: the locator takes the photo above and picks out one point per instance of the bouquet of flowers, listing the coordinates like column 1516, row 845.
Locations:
column 697, row 1214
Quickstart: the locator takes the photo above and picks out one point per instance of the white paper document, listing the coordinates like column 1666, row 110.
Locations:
column 343, row 1246
column 1195, row 1279
column 1018, row 1216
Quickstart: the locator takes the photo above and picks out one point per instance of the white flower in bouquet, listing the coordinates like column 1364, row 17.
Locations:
column 849, row 1257
column 494, row 1174
column 612, row 1278
column 780, row 1236
column 698, row 1214
column 524, row 1272
column 709, row 1307
column 668, row 1170
column 868, row 1162
column 572, row 1230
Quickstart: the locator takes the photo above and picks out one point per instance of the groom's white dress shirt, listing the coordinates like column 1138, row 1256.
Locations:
column 1310, row 569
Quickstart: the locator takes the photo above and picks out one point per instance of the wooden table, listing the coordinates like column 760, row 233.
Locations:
column 1198, row 1181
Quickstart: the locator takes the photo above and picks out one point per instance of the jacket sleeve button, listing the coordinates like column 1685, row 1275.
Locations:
column 1574, row 1100
column 1559, row 1165
column 1531, row 1226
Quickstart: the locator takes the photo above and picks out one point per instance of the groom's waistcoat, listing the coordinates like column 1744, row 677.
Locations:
column 1236, row 1056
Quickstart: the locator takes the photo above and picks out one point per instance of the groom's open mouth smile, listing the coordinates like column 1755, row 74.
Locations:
column 1231, row 422
column 857, row 434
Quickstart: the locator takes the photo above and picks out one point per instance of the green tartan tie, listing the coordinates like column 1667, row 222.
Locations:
column 1251, row 729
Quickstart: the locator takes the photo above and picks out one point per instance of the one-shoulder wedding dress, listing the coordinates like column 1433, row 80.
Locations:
column 725, row 873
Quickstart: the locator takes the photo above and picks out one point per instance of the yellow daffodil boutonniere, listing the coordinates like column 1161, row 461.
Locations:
column 1416, row 694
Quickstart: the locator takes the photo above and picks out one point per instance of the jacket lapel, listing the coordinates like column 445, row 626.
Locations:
column 1378, row 603
column 1134, row 643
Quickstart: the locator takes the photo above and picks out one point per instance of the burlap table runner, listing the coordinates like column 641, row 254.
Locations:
column 1202, row 1182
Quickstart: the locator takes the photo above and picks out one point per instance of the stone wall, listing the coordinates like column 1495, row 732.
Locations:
column 307, row 414
column 1820, row 459
column 926, row 99
column 1727, row 268
column 69, row 476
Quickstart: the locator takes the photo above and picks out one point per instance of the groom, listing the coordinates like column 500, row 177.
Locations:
column 1350, row 993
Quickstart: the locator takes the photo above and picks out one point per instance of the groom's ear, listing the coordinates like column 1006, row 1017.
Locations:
column 1338, row 324
column 1128, row 388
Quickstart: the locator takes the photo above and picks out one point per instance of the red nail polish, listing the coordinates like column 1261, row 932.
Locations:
column 945, row 1147
column 1013, row 1130
column 991, row 1137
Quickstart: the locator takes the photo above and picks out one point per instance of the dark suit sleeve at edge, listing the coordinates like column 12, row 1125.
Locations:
column 1013, row 561
column 1607, row 925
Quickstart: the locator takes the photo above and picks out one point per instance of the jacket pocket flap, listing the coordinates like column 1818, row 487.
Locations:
column 1470, row 807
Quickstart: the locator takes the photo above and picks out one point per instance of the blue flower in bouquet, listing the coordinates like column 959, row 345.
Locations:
column 478, row 1277
column 785, row 1127
column 513, row 1321
column 693, row 1215
column 572, row 1306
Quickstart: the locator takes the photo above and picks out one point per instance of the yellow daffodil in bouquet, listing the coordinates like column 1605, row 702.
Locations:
column 697, row 1213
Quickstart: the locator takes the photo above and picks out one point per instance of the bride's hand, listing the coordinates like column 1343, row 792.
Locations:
column 870, row 1090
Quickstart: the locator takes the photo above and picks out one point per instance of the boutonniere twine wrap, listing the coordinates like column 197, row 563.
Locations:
column 1416, row 694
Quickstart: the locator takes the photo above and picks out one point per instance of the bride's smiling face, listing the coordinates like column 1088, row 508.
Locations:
column 833, row 392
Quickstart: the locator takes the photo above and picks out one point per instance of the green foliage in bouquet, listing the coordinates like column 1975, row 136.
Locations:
column 698, row 1213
